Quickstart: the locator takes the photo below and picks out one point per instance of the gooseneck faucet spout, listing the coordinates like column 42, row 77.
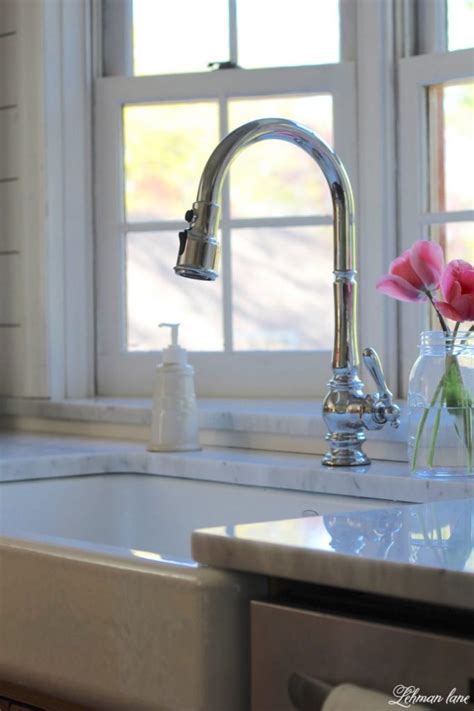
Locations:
column 347, row 412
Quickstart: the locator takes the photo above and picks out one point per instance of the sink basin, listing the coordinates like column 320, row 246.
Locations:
column 101, row 603
column 148, row 513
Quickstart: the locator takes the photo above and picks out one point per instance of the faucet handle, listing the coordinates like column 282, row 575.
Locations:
column 374, row 366
column 382, row 405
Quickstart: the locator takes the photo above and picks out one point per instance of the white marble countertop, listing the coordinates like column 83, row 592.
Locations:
column 31, row 456
column 423, row 552
column 393, row 552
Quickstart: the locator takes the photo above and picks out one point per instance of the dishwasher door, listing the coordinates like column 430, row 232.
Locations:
column 333, row 649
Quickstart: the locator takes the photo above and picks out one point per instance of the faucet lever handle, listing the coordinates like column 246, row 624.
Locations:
column 382, row 407
column 374, row 366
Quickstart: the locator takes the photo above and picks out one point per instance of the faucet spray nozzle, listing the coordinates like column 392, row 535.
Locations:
column 199, row 250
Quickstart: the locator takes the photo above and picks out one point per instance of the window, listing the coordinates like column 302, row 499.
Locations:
column 155, row 132
column 437, row 151
column 166, row 146
column 261, row 331
column 187, row 37
column 460, row 23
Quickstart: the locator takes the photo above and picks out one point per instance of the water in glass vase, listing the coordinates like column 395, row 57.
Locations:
column 440, row 441
column 441, row 406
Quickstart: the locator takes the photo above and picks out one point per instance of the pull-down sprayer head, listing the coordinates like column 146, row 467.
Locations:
column 199, row 250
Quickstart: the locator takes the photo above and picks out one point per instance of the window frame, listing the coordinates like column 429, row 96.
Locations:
column 416, row 74
column 238, row 373
column 379, row 42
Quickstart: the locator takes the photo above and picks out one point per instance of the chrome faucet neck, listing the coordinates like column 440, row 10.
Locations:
column 232, row 145
column 345, row 408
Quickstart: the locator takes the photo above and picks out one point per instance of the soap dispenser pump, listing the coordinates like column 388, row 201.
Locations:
column 174, row 417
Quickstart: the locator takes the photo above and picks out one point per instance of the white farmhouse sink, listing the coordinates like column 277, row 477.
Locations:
column 149, row 513
column 101, row 604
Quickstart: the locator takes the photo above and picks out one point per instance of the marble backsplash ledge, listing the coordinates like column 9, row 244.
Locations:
column 268, row 424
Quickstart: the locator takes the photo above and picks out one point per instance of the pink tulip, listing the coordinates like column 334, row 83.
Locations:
column 415, row 272
column 427, row 259
column 457, row 286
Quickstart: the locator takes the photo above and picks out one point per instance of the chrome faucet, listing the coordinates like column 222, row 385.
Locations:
column 347, row 411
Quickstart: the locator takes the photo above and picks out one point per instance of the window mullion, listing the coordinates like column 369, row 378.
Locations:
column 431, row 26
column 166, row 225
column 117, row 42
column 237, row 223
column 226, row 239
column 233, row 51
column 348, row 23
column 375, row 191
column 437, row 218
column 283, row 221
column 207, row 85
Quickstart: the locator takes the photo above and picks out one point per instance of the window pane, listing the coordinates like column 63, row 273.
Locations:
column 178, row 36
column 274, row 34
column 460, row 24
column 456, row 238
column 166, row 148
column 282, row 288
column 274, row 177
column 155, row 294
column 451, row 134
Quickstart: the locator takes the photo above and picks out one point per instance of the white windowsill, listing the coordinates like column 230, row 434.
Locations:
column 270, row 424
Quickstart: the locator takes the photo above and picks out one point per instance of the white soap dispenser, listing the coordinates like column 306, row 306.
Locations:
column 174, row 417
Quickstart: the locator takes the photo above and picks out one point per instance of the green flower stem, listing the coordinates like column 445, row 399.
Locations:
column 461, row 398
column 458, row 399
column 467, row 421
column 422, row 423
column 443, row 323
column 434, row 435
column 464, row 341
column 455, row 395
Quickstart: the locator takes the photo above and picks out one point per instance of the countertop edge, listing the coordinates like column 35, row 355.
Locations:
column 433, row 585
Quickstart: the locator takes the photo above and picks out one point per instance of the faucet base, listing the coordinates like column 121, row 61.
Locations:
column 345, row 450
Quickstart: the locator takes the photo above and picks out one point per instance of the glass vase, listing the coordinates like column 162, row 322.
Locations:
column 440, row 401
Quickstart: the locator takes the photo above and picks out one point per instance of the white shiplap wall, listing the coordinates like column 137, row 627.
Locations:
column 11, row 308
column 46, row 247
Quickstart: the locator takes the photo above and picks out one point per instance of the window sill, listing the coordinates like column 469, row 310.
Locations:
column 266, row 424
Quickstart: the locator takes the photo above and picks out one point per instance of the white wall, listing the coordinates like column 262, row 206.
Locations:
column 11, row 253
column 46, row 284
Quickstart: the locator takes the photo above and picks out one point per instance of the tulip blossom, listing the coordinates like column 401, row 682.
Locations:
column 416, row 276
column 415, row 273
column 457, row 287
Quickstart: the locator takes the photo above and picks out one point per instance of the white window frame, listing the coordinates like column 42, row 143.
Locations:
column 416, row 74
column 250, row 370
column 257, row 373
